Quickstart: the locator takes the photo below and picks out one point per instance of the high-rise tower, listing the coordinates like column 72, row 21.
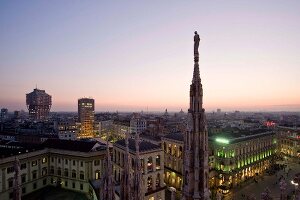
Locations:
column 196, row 139
column 39, row 104
column 86, row 112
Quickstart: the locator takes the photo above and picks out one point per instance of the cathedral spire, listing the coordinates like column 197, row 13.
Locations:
column 195, row 183
column 107, row 189
column 138, row 179
column 196, row 73
column 126, row 178
column 17, row 188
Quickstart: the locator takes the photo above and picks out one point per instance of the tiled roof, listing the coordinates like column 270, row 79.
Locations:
column 143, row 146
column 71, row 145
column 175, row 136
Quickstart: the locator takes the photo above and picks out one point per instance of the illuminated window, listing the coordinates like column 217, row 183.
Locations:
column 149, row 183
column 150, row 164
column 97, row 175
column 44, row 160
column 158, row 162
column 34, row 163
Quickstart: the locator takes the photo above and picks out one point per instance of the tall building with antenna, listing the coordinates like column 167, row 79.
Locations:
column 38, row 103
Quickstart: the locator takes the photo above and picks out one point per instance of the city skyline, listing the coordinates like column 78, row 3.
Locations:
column 134, row 56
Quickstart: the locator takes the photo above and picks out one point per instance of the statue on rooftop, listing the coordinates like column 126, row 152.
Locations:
column 196, row 43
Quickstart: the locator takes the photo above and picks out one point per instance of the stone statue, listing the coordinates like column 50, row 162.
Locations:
column 196, row 43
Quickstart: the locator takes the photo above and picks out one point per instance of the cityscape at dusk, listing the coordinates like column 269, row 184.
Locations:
column 131, row 100
column 130, row 56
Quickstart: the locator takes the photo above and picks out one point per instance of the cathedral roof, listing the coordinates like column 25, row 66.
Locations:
column 71, row 145
column 143, row 145
column 175, row 136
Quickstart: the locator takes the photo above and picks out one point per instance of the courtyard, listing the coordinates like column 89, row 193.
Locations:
column 54, row 193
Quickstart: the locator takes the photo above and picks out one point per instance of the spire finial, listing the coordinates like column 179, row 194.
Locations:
column 196, row 46
column 196, row 74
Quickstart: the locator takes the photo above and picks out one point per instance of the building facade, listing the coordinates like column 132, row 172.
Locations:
column 67, row 130
column 38, row 103
column 289, row 142
column 66, row 164
column 86, row 112
column 137, row 123
column 152, row 166
column 241, row 158
column 173, row 151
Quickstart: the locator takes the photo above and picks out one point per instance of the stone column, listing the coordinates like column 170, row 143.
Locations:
column 3, row 180
column 154, row 163
column 145, row 165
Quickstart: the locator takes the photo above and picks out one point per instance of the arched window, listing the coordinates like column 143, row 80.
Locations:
column 157, row 182
column 174, row 152
column 157, row 160
column 44, row 171
column 66, row 173
column 81, row 176
column 73, row 173
column 150, row 164
column 149, row 183
column 180, row 152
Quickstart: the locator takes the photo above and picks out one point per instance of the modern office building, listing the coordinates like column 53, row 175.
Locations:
column 67, row 130
column 38, row 103
column 86, row 112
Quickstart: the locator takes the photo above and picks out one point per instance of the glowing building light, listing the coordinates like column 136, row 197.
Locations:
column 222, row 140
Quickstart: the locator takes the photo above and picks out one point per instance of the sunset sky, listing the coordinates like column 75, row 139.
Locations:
column 130, row 55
